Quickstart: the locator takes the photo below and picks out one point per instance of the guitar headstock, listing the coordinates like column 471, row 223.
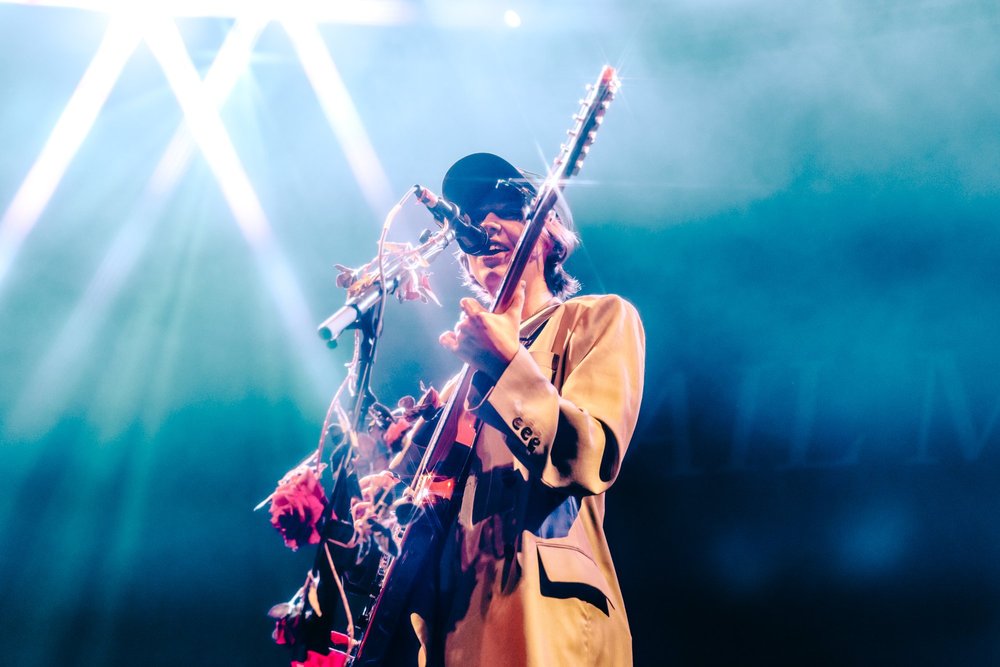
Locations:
column 587, row 120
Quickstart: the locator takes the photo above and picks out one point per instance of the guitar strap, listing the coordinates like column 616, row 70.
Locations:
column 537, row 322
column 566, row 324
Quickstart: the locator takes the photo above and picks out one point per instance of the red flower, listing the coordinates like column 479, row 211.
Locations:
column 297, row 506
column 314, row 659
column 288, row 619
column 285, row 630
column 395, row 433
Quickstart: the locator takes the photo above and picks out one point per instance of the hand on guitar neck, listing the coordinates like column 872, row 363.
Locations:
column 484, row 340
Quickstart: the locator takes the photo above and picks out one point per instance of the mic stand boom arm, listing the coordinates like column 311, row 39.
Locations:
column 365, row 290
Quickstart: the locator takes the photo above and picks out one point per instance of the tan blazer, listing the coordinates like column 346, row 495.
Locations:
column 526, row 577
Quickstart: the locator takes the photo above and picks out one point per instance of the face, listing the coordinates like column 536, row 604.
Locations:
column 489, row 270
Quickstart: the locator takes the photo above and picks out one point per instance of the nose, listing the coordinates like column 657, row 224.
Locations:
column 491, row 227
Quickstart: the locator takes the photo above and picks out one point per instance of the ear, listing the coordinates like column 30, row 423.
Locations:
column 546, row 242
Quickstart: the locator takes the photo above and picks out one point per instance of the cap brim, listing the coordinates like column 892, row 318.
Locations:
column 473, row 179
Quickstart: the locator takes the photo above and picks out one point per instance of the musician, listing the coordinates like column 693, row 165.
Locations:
column 526, row 577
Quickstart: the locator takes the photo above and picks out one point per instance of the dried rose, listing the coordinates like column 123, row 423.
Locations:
column 346, row 275
column 288, row 618
column 395, row 433
column 297, row 506
column 286, row 631
column 429, row 403
column 425, row 289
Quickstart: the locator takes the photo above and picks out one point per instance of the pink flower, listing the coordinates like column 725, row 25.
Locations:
column 314, row 659
column 285, row 630
column 287, row 620
column 395, row 433
column 297, row 507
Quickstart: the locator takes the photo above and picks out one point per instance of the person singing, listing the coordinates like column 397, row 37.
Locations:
column 526, row 575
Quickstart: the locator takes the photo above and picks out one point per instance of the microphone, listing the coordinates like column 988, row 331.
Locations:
column 471, row 238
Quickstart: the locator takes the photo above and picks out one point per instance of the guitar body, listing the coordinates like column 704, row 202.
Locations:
column 406, row 579
column 402, row 578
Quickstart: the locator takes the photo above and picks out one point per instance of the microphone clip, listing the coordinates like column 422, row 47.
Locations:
column 471, row 238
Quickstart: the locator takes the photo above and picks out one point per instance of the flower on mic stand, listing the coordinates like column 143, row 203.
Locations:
column 390, row 426
column 288, row 619
column 315, row 659
column 394, row 434
column 427, row 406
column 415, row 284
column 297, row 507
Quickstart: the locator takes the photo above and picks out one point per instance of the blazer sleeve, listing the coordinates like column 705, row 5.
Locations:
column 575, row 437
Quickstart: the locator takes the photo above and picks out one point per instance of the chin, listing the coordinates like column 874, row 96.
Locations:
column 492, row 283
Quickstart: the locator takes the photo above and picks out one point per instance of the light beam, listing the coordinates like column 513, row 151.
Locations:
column 210, row 134
column 53, row 377
column 341, row 114
column 70, row 130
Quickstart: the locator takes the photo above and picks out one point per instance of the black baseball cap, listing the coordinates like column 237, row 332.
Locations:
column 484, row 181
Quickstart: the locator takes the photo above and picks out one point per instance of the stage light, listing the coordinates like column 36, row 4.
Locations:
column 132, row 238
column 207, row 129
column 133, row 19
column 512, row 19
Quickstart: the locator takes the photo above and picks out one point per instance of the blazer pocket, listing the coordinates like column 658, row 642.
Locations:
column 566, row 571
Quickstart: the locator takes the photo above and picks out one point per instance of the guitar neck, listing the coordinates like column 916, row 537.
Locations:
column 567, row 164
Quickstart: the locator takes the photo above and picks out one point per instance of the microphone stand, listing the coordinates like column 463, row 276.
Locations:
column 362, row 311
column 335, row 564
column 364, row 293
column 365, row 290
